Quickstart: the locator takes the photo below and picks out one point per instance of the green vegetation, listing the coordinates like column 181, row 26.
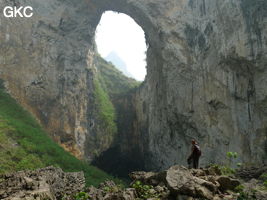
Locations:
column 246, row 196
column 265, row 184
column 113, row 189
column 239, row 188
column 106, row 110
column 109, row 83
column 12, row 156
column 145, row 191
column 227, row 169
column 231, row 156
column 263, row 177
column 82, row 196
column 112, row 80
column 25, row 145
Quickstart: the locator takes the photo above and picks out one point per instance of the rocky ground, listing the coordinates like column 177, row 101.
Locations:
column 43, row 184
column 177, row 183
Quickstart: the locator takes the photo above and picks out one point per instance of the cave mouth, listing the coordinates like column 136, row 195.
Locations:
column 121, row 41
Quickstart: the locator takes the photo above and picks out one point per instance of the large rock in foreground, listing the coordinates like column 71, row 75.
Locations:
column 184, row 183
column 181, row 181
column 48, row 183
column 176, row 183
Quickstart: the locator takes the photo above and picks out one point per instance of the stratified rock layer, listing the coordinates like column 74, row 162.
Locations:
column 206, row 76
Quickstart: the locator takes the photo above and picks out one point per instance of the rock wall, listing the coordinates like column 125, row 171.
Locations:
column 46, row 62
column 213, row 86
column 206, row 76
column 208, row 83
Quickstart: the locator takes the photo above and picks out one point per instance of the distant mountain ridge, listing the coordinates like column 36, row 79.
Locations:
column 119, row 63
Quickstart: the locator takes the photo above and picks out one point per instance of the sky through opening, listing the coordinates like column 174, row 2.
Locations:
column 120, row 40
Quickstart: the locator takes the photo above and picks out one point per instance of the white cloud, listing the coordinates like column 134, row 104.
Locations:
column 119, row 33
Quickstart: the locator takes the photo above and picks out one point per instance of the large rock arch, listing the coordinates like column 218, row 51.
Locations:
column 206, row 75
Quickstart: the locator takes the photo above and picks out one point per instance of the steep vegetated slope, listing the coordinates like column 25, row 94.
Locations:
column 113, row 81
column 115, row 98
column 25, row 145
column 119, row 63
column 109, row 85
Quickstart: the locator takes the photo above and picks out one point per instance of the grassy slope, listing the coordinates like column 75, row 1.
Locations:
column 106, row 110
column 25, row 145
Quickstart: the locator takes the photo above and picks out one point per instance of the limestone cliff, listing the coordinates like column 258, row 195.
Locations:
column 206, row 75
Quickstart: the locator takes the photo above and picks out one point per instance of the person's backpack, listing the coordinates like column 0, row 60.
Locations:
column 198, row 151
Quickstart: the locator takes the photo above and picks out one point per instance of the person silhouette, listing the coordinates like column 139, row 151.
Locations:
column 195, row 154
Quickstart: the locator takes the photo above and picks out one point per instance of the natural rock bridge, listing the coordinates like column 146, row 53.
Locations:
column 206, row 76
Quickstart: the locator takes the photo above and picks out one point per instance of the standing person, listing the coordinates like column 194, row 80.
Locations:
column 195, row 154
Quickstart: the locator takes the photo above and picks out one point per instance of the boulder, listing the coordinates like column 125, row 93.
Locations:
column 177, row 183
column 150, row 178
column 181, row 181
column 110, row 191
column 95, row 193
column 141, row 175
column 227, row 183
column 185, row 184
column 251, row 172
